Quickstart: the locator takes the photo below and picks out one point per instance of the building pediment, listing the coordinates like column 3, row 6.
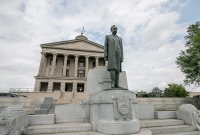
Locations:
column 84, row 45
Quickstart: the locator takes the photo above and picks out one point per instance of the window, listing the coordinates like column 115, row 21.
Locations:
column 51, row 60
column 81, row 73
column 43, row 86
column 68, row 87
column 81, row 64
column 80, row 87
column 67, row 73
column 93, row 64
column 68, row 62
column 56, row 86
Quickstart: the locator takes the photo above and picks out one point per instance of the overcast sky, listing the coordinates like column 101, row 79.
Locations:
column 152, row 31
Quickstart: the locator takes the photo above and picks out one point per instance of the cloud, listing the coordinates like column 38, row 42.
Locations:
column 151, row 32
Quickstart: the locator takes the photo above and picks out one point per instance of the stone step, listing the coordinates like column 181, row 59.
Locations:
column 58, row 128
column 170, row 129
column 184, row 133
column 52, row 109
column 51, row 112
column 142, row 132
column 160, row 123
column 76, row 133
column 165, row 114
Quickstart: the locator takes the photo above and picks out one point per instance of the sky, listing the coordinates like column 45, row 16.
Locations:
column 152, row 32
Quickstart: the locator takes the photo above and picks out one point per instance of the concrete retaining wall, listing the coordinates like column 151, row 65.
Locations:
column 160, row 104
column 29, row 104
column 56, row 94
column 170, row 104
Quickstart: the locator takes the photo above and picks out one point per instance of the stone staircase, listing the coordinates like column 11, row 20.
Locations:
column 170, row 127
column 52, row 108
column 163, row 125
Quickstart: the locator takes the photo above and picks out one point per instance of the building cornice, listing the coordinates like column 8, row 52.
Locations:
column 71, row 41
column 73, row 49
column 60, row 78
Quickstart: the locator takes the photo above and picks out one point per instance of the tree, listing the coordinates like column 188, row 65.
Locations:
column 189, row 60
column 156, row 92
column 142, row 92
column 168, row 93
column 175, row 90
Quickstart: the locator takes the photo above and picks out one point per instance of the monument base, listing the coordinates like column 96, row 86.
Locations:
column 114, row 112
column 119, row 127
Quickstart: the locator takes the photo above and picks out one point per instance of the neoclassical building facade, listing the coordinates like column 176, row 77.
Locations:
column 64, row 66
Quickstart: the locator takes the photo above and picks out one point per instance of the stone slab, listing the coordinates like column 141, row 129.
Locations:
column 58, row 128
column 44, row 119
column 170, row 129
column 165, row 115
column 142, row 132
column 146, row 111
column 183, row 113
column 160, row 123
column 45, row 106
column 184, row 133
column 41, row 112
column 17, row 119
column 48, row 100
column 70, row 113
column 118, row 127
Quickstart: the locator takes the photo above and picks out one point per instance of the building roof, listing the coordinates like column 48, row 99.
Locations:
column 79, row 38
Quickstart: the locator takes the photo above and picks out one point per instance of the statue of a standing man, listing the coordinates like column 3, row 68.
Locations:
column 113, row 53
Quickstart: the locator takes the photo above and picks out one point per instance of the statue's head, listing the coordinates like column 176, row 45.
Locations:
column 113, row 29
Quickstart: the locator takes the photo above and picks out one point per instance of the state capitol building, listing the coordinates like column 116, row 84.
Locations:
column 64, row 67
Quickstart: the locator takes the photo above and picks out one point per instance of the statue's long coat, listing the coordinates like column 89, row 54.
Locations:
column 110, row 52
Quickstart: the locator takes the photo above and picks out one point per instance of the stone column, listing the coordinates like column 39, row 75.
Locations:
column 44, row 66
column 50, row 87
column 97, row 61
column 74, row 87
column 37, row 86
column 65, row 65
column 74, row 90
column 76, row 65
column 53, row 64
column 41, row 64
column 86, row 65
column 62, row 88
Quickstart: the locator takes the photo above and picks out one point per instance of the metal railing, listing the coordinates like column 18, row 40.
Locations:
column 21, row 90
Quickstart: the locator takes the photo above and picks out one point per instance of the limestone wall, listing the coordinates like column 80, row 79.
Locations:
column 56, row 94
column 59, row 97
column 162, row 104
column 29, row 104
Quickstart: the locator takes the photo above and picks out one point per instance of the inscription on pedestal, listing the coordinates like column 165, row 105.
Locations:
column 122, row 109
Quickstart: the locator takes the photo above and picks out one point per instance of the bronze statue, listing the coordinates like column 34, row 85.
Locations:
column 113, row 53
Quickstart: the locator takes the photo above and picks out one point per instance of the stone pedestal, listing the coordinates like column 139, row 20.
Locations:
column 99, row 79
column 114, row 112
column 13, row 121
